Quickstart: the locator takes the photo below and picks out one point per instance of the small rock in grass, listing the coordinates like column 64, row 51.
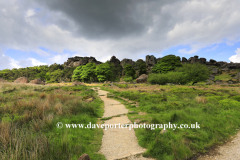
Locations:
column 84, row 157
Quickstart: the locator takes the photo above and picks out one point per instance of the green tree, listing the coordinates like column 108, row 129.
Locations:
column 129, row 70
column 85, row 73
column 104, row 72
column 141, row 66
column 166, row 64
column 54, row 76
column 195, row 72
column 77, row 74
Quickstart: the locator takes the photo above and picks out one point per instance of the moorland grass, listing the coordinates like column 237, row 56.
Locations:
column 29, row 116
column 215, row 108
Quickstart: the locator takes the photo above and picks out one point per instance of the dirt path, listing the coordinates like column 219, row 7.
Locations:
column 118, row 143
column 229, row 151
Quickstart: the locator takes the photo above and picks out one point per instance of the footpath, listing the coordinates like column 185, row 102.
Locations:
column 118, row 143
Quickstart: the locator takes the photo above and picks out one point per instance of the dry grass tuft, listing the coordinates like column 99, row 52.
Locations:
column 42, row 95
column 58, row 108
column 4, row 134
column 47, row 119
column 201, row 99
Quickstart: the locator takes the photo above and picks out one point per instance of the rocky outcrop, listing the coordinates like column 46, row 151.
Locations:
column 37, row 81
column 150, row 62
column 142, row 79
column 84, row 157
column 215, row 71
column 237, row 76
column 127, row 61
column 78, row 61
column 21, row 80
column 115, row 61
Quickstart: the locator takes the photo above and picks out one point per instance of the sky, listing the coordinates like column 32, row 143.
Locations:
column 43, row 32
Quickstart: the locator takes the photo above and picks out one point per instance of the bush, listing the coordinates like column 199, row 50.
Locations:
column 171, row 77
column 128, row 79
column 195, row 72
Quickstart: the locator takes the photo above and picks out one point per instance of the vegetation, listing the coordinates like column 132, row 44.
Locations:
column 129, row 71
column 29, row 115
column 104, row 72
column 166, row 64
column 188, row 73
column 85, row 73
column 53, row 73
column 215, row 108
column 141, row 66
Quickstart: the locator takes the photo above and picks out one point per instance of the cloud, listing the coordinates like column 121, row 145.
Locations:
column 236, row 58
column 10, row 63
column 126, row 29
column 59, row 59
column 36, row 62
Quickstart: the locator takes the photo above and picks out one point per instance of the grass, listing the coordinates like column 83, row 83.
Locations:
column 29, row 115
column 223, row 77
column 216, row 108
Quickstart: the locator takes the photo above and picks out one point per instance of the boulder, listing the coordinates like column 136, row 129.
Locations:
column 215, row 71
column 211, row 77
column 37, row 81
column 237, row 76
column 142, row 79
column 218, row 81
column 3, row 80
column 21, row 80
column 84, row 157
column 225, row 69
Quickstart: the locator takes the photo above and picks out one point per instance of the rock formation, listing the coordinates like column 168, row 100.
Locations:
column 21, row 80
column 115, row 61
column 37, row 81
column 152, row 60
column 127, row 61
column 78, row 61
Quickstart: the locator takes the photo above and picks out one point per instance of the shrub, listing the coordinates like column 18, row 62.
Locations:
column 195, row 72
column 128, row 79
column 171, row 77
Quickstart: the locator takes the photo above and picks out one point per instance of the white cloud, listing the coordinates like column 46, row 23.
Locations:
column 59, row 59
column 36, row 62
column 30, row 13
column 197, row 24
column 236, row 58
